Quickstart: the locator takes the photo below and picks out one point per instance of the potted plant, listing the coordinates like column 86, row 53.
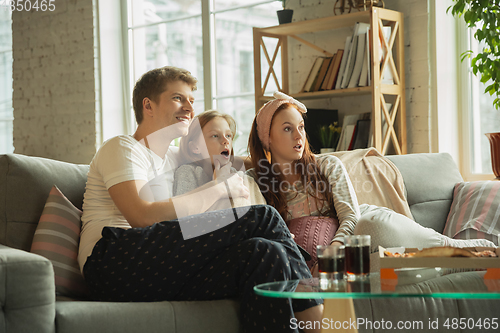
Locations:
column 485, row 16
column 284, row 15
column 329, row 137
column 495, row 152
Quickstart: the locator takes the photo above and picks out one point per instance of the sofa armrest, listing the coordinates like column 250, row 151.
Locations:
column 27, row 292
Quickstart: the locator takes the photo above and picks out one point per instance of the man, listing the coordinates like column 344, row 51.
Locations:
column 132, row 247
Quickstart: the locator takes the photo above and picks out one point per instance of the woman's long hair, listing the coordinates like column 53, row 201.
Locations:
column 267, row 176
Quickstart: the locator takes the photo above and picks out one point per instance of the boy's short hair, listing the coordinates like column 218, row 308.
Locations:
column 154, row 82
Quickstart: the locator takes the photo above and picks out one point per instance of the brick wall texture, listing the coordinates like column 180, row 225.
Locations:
column 54, row 82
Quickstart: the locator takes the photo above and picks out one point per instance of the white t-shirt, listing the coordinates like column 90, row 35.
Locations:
column 120, row 159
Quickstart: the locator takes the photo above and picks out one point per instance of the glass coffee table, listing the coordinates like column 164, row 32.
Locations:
column 415, row 282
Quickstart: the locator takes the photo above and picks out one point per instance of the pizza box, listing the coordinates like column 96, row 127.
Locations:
column 448, row 262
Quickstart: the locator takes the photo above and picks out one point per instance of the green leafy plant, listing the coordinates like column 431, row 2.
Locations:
column 329, row 135
column 485, row 16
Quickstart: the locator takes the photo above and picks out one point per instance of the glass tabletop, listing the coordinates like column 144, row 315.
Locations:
column 415, row 282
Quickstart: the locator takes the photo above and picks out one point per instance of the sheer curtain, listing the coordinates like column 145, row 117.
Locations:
column 6, row 110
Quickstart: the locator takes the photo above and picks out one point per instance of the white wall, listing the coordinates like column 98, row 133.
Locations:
column 54, row 82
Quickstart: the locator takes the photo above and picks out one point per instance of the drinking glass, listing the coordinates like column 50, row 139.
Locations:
column 330, row 264
column 357, row 256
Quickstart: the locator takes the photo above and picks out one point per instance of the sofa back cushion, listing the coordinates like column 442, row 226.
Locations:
column 429, row 180
column 25, row 182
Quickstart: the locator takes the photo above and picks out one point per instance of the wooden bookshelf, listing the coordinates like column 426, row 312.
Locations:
column 376, row 17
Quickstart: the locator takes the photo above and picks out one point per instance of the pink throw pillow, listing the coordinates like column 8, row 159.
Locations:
column 56, row 238
column 311, row 231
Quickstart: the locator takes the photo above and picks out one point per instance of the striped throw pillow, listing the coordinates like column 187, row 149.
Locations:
column 56, row 238
column 475, row 211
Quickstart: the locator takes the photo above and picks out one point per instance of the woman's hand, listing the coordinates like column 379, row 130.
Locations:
column 336, row 243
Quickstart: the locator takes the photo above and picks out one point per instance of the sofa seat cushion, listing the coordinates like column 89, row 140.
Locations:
column 56, row 238
column 153, row 317
column 475, row 211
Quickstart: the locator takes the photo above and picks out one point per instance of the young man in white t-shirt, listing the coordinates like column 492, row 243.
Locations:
column 139, row 243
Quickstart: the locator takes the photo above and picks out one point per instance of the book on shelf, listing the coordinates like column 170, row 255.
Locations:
column 349, row 132
column 358, row 63
column 343, row 62
column 348, row 126
column 369, row 47
column 335, row 69
column 387, row 77
column 353, row 137
column 349, row 63
column 324, row 85
column 364, row 77
column 362, row 134
column 359, row 28
column 313, row 73
column 321, row 74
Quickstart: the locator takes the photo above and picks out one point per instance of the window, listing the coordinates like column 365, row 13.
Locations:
column 6, row 111
column 210, row 38
column 480, row 117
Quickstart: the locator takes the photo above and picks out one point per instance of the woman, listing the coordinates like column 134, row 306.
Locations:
column 314, row 195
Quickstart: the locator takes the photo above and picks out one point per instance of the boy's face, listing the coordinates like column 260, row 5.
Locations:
column 174, row 107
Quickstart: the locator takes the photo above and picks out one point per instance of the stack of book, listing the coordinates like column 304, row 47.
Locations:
column 323, row 73
column 349, row 67
column 356, row 132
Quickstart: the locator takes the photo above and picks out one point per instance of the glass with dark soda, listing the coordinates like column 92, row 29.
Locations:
column 357, row 256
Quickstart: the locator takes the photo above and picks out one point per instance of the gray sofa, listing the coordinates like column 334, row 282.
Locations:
column 27, row 290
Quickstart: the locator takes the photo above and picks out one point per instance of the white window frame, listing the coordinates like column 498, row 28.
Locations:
column 208, row 13
column 450, row 89
column 11, row 118
column 467, row 107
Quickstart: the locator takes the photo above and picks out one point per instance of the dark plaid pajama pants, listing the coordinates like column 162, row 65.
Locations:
column 157, row 263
